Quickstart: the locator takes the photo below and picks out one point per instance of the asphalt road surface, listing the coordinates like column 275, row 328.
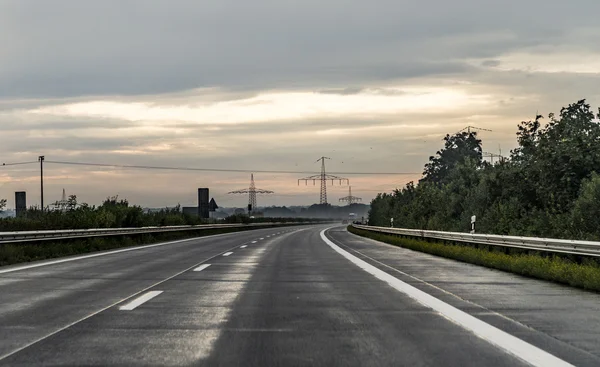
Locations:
column 295, row 296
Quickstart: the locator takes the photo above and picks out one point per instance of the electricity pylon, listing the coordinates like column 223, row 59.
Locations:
column 492, row 155
column 468, row 128
column 63, row 203
column 350, row 199
column 323, row 177
column 251, row 191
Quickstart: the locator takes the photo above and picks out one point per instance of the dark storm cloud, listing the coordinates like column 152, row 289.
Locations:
column 71, row 48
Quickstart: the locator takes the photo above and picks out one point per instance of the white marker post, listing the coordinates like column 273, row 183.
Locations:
column 392, row 222
column 473, row 218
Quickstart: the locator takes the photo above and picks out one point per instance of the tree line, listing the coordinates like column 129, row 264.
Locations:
column 112, row 213
column 549, row 186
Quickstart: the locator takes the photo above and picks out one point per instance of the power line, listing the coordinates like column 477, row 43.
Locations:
column 109, row 165
column 18, row 163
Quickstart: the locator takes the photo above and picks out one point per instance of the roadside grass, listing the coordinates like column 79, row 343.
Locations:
column 585, row 275
column 27, row 252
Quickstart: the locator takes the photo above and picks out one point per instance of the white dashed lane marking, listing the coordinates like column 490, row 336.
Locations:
column 140, row 301
column 202, row 267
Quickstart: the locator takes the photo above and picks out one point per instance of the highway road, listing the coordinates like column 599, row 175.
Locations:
column 295, row 296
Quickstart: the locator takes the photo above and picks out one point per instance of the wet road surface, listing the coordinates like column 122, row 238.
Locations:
column 289, row 297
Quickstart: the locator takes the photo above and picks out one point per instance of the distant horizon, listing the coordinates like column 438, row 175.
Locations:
column 9, row 208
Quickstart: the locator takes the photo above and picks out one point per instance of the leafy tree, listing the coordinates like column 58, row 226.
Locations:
column 380, row 214
column 549, row 186
column 72, row 202
column 457, row 149
column 586, row 209
column 2, row 205
column 556, row 159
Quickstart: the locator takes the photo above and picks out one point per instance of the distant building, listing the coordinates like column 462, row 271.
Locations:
column 20, row 203
column 203, row 203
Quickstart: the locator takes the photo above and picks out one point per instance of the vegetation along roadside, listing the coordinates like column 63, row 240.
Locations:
column 585, row 275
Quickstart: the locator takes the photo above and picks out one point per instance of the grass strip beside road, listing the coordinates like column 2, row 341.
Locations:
column 552, row 268
column 26, row 252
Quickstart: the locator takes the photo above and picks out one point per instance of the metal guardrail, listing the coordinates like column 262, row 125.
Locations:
column 34, row 236
column 585, row 248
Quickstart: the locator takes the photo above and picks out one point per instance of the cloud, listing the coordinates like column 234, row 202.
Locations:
column 342, row 91
column 274, row 85
column 65, row 48
column 490, row 63
column 274, row 106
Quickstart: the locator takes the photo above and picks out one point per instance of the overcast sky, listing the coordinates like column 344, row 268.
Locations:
column 273, row 85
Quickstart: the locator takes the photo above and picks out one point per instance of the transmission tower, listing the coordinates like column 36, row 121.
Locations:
column 468, row 128
column 251, row 191
column 323, row 177
column 350, row 199
column 62, row 204
column 492, row 155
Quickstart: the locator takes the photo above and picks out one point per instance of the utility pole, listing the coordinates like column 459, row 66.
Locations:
column 323, row 177
column 41, row 159
column 251, row 191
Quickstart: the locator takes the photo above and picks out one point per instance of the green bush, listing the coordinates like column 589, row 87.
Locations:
column 585, row 216
column 585, row 275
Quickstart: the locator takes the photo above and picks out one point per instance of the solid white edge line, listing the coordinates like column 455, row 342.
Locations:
column 243, row 246
column 509, row 343
column 140, row 301
column 227, row 254
column 202, row 267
